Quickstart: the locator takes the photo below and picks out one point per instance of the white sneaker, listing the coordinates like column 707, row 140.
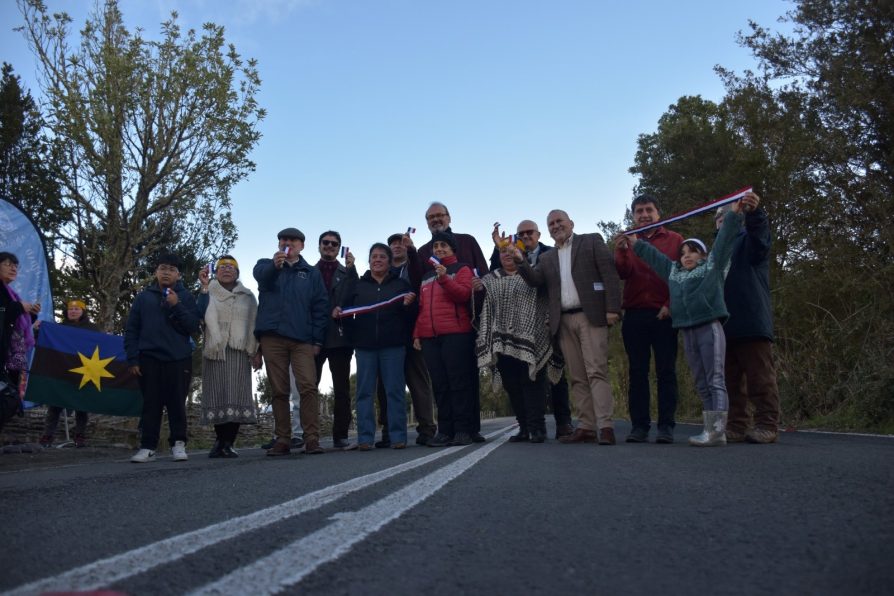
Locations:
column 142, row 456
column 179, row 451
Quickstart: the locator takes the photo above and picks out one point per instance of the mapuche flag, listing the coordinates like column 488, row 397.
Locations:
column 82, row 370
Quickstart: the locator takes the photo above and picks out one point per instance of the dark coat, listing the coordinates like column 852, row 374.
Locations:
column 343, row 281
column 158, row 330
column 386, row 328
column 467, row 251
column 594, row 274
column 747, row 289
column 495, row 256
column 292, row 301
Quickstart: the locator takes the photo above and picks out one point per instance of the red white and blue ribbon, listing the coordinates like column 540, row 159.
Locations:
column 435, row 261
column 697, row 211
column 360, row 310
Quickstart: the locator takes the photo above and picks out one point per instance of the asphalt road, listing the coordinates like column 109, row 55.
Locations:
column 813, row 514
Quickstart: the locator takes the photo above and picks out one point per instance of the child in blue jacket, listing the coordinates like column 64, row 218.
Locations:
column 697, row 308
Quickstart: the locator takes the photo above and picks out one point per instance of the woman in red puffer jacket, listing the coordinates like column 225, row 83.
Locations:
column 444, row 334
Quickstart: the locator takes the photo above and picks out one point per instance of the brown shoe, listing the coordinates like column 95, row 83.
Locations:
column 364, row 447
column 734, row 436
column 279, row 449
column 312, row 447
column 607, row 436
column 563, row 430
column 580, row 435
column 761, row 435
column 399, row 446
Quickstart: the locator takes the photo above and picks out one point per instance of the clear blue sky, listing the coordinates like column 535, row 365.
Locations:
column 501, row 109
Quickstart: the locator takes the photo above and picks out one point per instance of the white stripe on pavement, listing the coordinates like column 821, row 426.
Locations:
column 290, row 564
column 106, row 572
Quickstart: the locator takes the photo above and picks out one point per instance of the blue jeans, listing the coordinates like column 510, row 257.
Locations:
column 388, row 362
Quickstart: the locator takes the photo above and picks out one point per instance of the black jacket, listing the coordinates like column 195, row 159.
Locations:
column 389, row 327
column 158, row 330
column 747, row 287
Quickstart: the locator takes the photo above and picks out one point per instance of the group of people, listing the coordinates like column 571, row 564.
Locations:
column 431, row 318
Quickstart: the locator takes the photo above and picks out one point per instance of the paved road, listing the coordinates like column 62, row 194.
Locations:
column 813, row 514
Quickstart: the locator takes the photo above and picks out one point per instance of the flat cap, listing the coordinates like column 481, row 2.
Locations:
column 291, row 233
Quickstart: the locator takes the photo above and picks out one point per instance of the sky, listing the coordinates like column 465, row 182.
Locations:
column 500, row 109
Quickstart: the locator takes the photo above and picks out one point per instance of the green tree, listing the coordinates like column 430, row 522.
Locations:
column 149, row 139
column 25, row 176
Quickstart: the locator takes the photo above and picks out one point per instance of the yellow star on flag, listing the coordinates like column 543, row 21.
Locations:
column 93, row 369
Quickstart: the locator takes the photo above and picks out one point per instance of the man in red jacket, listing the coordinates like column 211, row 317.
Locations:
column 647, row 327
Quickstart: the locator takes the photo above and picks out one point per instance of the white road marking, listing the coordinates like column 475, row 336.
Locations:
column 290, row 564
column 106, row 572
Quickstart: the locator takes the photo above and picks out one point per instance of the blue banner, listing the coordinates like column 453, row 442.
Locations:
column 19, row 236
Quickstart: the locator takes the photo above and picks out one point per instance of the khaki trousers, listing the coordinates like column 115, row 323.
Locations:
column 279, row 354
column 585, row 347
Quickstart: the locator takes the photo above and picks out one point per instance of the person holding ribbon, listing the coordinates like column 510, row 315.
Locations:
column 382, row 307
column 514, row 342
column 697, row 307
column 230, row 353
column 444, row 334
column 75, row 316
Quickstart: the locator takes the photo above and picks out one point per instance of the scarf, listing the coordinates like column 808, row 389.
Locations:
column 22, row 338
column 327, row 270
column 514, row 322
column 229, row 321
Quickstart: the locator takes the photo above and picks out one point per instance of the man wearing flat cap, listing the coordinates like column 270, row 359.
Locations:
column 293, row 308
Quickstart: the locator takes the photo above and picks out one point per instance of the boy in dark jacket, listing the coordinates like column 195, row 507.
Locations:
column 159, row 351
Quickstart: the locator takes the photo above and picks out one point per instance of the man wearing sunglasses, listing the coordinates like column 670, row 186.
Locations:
column 293, row 313
column 337, row 349
column 529, row 234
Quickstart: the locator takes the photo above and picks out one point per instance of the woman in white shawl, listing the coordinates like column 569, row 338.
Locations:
column 229, row 354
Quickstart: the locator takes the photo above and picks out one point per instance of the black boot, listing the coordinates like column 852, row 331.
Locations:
column 217, row 449
column 228, row 451
column 385, row 443
column 521, row 437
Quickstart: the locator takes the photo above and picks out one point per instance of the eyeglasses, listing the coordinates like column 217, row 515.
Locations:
column 526, row 232
column 226, row 268
column 167, row 269
column 329, row 242
column 432, row 216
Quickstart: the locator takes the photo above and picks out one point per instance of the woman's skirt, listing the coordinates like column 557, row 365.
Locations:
column 226, row 390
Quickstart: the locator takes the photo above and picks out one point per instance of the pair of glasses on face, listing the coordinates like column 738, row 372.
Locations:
column 526, row 232
column 226, row 268
column 435, row 216
column 329, row 243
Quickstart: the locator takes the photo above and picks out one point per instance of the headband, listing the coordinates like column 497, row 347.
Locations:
column 698, row 243
column 222, row 262
column 79, row 303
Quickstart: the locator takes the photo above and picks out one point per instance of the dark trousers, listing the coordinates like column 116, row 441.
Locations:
column 226, row 432
column 751, row 376
column 558, row 398
column 644, row 334
column 419, row 383
column 52, row 421
column 340, row 367
column 454, row 379
column 164, row 386
column 528, row 398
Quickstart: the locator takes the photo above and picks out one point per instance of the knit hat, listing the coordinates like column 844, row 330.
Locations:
column 446, row 237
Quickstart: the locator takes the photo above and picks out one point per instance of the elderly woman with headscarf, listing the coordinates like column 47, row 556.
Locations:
column 514, row 343
column 229, row 355
column 75, row 316
column 16, row 336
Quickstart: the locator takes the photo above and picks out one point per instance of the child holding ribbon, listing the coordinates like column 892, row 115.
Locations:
column 697, row 308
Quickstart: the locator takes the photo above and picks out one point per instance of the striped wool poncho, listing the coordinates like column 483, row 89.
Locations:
column 513, row 322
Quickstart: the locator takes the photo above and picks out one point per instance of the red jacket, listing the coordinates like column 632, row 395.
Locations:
column 642, row 287
column 444, row 304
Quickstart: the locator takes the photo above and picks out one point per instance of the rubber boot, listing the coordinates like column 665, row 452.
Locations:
column 217, row 449
column 714, row 433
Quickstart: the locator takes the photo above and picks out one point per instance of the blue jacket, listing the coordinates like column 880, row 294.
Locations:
column 696, row 296
column 158, row 330
column 292, row 301
column 747, row 289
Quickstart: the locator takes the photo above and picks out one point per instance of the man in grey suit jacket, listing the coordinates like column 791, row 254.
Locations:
column 584, row 301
